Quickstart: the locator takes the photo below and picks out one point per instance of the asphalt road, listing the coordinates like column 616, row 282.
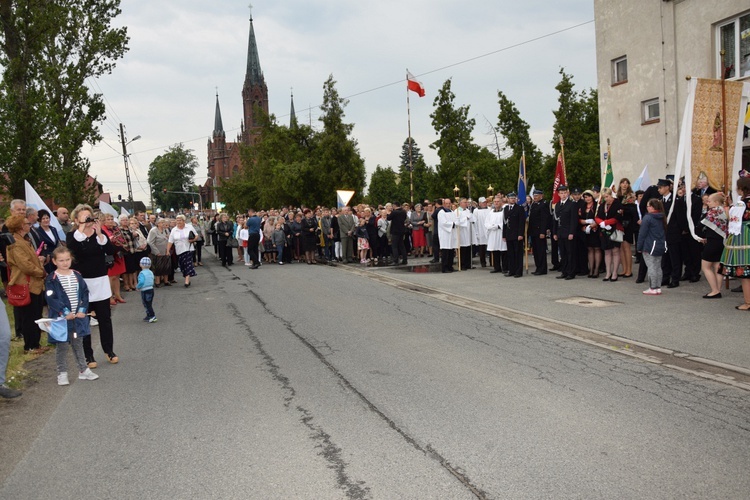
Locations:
column 310, row 382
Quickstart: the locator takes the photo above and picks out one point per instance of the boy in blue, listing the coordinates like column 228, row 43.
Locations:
column 146, row 287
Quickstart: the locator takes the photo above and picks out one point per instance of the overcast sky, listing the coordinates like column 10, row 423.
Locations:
column 181, row 51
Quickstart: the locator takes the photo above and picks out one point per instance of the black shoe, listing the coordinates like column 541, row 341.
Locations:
column 561, row 277
column 673, row 284
column 571, row 277
column 735, row 289
column 8, row 393
column 695, row 279
column 518, row 275
column 554, row 268
column 537, row 273
column 640, row 281
column 254, row 266
column 685, row 277
column 447, row 270
column 433, row 261
column 717, row 296
column 664, row 282
column 491, row 272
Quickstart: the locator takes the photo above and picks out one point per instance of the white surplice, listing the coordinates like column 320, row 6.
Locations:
column 494, row 225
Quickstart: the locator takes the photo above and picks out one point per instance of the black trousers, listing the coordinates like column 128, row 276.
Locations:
column 482, row 251
column 555, row 250
column 106, row 337
column 515, row 257
column 198, row 248
column 398, row 248
column 671, row 263
column 465, row 257
column 568, row 259
column 225, row 252
column 28, row 315
column 253, row 240
column 497, row 260
column 693, row 256
column 446, row 259
column 435, row 245
column 539, row 250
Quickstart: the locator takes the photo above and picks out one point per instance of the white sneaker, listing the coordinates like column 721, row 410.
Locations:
column 281, row 263
column 94, row 322
column 62, row 378
column 153, row 320
column 86, row 375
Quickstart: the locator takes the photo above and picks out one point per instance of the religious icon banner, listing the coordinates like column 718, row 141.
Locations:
column 709, row 129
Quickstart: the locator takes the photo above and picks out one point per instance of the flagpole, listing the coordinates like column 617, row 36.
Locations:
column 411, row 166
column 725, row 187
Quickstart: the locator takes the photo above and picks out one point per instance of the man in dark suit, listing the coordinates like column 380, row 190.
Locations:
column 397, row 217
column 435, row 239
column 677, row 225
column 539, row 217
column 566, row 219
column 513, row 233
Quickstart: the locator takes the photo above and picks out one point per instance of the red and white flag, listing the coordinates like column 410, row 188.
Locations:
column 414, row 85
column 559, row 178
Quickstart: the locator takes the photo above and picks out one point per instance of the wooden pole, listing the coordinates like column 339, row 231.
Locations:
column 725, row 187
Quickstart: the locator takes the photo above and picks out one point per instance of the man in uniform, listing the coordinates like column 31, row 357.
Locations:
column 397, row 218
column 513, row 233
column 479, row 233
column 566, row 223
column 447, row 233
column 538, row 224
column 493, row 224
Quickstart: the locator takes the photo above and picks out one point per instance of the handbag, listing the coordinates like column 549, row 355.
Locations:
column 109, row 260
column 617, row 236
column 18, row 294
column 232, row 242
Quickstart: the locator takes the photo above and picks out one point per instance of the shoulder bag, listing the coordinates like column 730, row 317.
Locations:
column 18, row 294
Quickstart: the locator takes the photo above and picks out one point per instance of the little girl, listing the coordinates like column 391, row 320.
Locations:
column 716, row 224
column 278, row 238
column 242, row 236
column 363, row 243
column 652, row 242
column 68, row 297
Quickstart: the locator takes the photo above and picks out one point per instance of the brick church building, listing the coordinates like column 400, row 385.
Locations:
column 224, row 157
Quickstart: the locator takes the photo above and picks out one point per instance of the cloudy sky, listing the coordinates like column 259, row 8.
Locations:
column 182, row 51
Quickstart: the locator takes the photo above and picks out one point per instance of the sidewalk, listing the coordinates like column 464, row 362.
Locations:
column 679, row 319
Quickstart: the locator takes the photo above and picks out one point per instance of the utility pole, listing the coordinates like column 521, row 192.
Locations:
column 127, row 171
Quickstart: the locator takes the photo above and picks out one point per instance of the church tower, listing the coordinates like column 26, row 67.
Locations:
column 217, row 147
column 254, row 92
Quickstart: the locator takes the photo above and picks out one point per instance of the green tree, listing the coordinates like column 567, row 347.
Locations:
column 455, row 146
column 384, row 187
column 423, row 175
column 172, row 171
column 515, row 130
column 339, row 164
column 577, row 120
column 47, row 112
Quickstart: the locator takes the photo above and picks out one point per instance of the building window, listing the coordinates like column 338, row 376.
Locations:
column 734, row 38
column 620, row 70
column 650, row 111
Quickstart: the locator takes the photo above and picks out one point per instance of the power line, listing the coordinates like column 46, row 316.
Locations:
column 380, row 87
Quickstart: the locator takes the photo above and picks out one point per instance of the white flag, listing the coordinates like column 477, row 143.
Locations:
column 107, row 208
column 643, row 181
column 33, row 200
column 124, row 212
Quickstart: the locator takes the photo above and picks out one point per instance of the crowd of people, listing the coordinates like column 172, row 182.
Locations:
column 81, row 274
column 596, row 233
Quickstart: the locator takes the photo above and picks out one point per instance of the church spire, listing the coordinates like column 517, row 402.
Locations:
column 218, row 125
column 254, row 74
column 292, row 115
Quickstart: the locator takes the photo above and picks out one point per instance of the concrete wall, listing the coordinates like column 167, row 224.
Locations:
column 664, row 41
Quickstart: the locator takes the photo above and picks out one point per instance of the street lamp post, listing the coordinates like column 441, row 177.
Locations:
column 125, row 160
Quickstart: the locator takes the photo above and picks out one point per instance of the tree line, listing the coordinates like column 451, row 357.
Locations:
column 299, row 165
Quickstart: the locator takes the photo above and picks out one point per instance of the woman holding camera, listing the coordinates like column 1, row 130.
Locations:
column 90, row 246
